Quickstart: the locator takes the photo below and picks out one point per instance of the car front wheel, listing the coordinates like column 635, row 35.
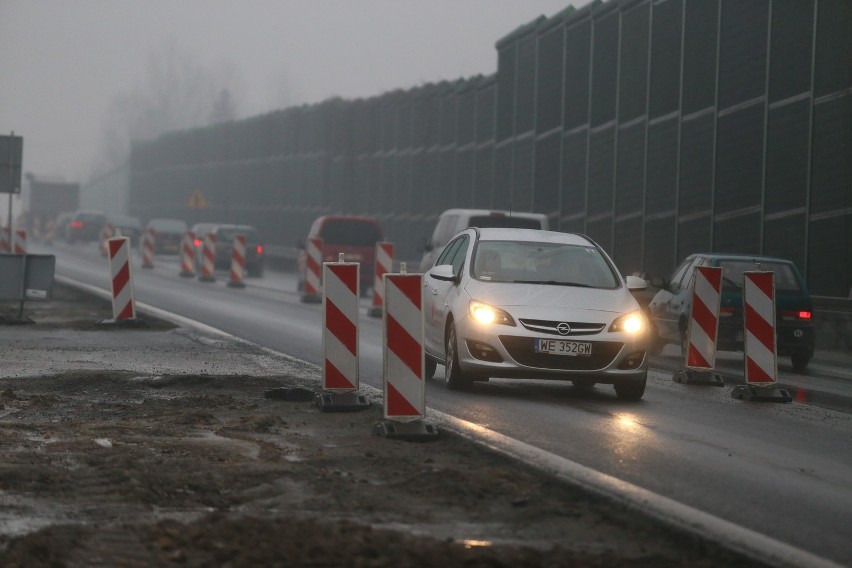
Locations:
column 453, row 375
column 800, row 360
column 632, row 390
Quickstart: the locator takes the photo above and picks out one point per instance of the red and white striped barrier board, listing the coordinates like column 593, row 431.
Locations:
column 761, row 357
column 340, row 326
column 313, row 267
column 704, row 318
column 148, row 248
column 19, row 244
column 238, row 260
column 123, row 306
column 106, row 234
column 208, row 258
column 383, row 265
column 405, row 389
column 5, row 240
column 187, row 255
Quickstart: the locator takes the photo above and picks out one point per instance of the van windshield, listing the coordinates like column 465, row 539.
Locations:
column 350, row 233
column 732, row 274
column 501, row 221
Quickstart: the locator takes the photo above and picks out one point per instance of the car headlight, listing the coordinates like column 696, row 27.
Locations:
column 485, row 314
column 633, row 323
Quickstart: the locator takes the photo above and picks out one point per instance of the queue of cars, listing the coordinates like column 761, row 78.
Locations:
column 506, row 297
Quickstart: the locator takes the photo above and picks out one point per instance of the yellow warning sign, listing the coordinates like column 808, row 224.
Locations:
column 196, row 200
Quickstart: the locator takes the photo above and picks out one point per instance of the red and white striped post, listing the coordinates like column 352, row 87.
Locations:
column 208, row 258
column 123, row 306
column 313, row 269
column 761, row 355
column 19, row 245
column 238, row 259
column 5, row 240
column 761, row 359
column 404, row 359
column 703, row 329
column 148, row 248
column 340, row 282
column 106, row 234
column 187, row 255
column 383, row 265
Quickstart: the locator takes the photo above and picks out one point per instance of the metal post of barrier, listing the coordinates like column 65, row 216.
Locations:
column 383, row 265
column 703, row 330
column 760, row 347
column 404, row 363
column 238, row 256
column 340, row 282
column 187, row 255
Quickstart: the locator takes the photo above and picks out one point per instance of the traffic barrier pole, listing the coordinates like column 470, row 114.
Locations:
column 20, row 244
column 340, row 281
column 703, row 329
column 238, row 258
column 187, row 255
column 761, row 357
column 5, row 240
column 403, row 369
column 208, row 258
column 148, row 248
column 383, row 265
column 313, row 270
column 106, row 234
column 123, row 306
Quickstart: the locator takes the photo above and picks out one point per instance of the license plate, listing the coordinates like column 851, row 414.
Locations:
column 562, row 347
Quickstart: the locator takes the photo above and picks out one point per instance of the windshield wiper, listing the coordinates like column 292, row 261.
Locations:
column 552, row 283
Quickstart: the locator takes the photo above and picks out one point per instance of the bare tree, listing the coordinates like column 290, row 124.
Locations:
column 178, row 93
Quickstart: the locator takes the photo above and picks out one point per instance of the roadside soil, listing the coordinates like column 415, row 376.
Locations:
column 120, row 467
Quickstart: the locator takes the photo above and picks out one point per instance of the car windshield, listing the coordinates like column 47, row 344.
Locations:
column 732, row 274
column 351, row 233
column 558, row 264
column 227, row 234
column 168, row 225
column 489, row 221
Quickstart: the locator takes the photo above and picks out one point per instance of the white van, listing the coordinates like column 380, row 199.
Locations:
column 453, row 221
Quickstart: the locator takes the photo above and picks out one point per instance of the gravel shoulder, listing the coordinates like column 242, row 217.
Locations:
column 155, row 446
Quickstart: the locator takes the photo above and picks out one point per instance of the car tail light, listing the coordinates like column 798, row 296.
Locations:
column 76, row 224
column 799, row 315
column 726, row 312
column 259, row 250
column 197, row 242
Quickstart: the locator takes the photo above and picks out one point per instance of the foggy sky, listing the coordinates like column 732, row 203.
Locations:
column 62, row 61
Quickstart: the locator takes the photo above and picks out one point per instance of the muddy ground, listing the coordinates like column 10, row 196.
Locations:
column 112, row 465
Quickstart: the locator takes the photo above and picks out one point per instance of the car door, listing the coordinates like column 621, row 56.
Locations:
column 668, row 303
column 435, row 297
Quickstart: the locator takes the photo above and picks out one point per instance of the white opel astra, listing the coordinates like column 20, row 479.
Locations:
column 523, row 303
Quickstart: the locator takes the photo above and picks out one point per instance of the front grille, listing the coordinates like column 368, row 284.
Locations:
column 548, row 326
column 522, row 350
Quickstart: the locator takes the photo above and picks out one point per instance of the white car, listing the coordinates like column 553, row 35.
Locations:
column 523, row 303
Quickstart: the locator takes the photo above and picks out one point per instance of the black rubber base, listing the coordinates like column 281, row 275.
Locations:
column 129, row 323
column 696, row 377
column 761, row 394
column 341, row 402
column 414, row 431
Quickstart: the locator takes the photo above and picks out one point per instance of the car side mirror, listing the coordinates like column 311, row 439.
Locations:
column 443, row 272
column 634, row 283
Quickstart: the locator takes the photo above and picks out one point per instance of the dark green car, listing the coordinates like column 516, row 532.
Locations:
column 670, row 308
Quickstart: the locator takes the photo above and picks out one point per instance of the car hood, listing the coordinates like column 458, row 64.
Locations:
column 546, row 302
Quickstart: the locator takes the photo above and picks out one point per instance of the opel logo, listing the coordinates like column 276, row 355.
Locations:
column 798, row 333
column 563, row 328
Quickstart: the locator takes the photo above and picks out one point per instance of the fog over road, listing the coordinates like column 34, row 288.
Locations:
column 779, row 469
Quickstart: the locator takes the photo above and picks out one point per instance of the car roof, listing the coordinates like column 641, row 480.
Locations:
column 532, row 235
column 739, row 256
column 523, row 214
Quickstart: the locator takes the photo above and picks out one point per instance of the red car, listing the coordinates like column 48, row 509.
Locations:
column 355, row 237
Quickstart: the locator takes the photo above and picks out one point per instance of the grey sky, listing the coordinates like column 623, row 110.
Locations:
column 63, row 61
